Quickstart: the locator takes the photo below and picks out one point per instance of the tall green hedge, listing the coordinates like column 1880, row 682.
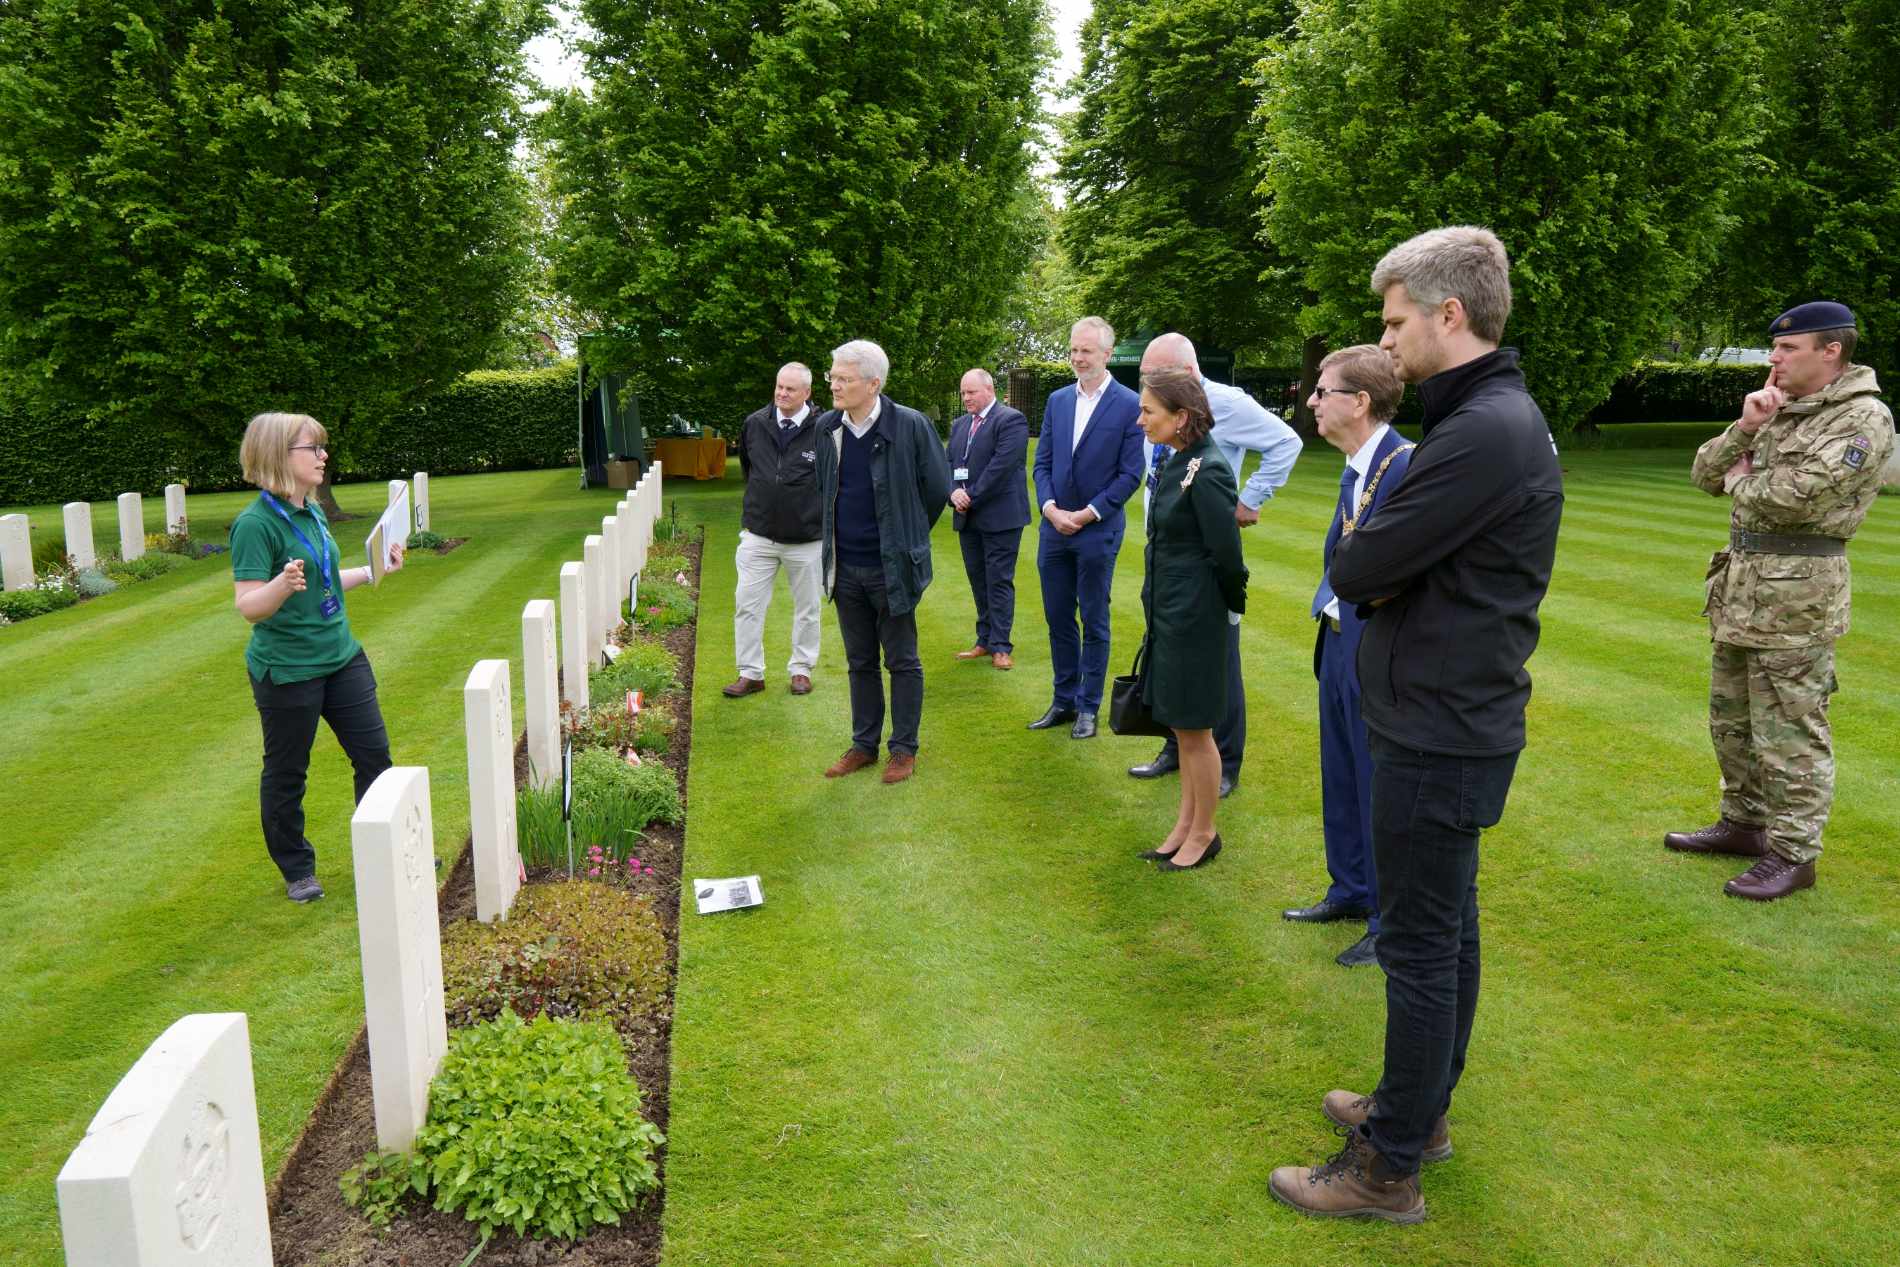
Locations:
column 492, row 420
column 1679, row 391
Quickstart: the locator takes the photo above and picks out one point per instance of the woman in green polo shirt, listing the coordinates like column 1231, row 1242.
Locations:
column 304, row 663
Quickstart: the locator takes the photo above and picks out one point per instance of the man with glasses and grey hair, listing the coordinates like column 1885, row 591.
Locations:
column 779, row 526
column 1449, row 576
column 883, row 481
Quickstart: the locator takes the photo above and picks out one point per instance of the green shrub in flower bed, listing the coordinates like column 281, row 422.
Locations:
column 663, row 564
column 568, row 949
column 423, row 539
column 614, row 800
column 144, row 568
column 50, row 594
column 643, row 665
column 534, row 1127
column 664, row 604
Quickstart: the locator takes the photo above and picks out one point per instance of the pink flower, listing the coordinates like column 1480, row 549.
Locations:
column 594, row 871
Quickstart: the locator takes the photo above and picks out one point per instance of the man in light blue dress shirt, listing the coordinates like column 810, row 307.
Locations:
column 1241, row 425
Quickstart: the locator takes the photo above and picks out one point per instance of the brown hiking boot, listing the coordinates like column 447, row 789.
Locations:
column 1355, row 1183
column 1721, row 836
column 900, row 767
column 1348, row 1109
column 853, row 760
column 1772, row 877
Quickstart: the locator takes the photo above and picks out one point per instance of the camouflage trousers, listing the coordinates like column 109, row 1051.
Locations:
column 1768, row 718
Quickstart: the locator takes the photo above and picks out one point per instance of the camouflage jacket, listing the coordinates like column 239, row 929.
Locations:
column 1817, row 469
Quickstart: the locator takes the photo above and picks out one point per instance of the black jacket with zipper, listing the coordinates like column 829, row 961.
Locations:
column 1463, row 549
column 910, row 482
column 781, row 481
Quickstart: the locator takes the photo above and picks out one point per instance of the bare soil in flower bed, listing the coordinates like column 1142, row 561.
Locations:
column 448, row 544
column 310, row 1224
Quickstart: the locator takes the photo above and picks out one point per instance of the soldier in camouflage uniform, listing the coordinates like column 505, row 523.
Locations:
column 1803, row 464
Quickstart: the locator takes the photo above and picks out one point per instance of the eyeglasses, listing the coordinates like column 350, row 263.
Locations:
column 840, row 380
column 314, row 448
column 1324, row 392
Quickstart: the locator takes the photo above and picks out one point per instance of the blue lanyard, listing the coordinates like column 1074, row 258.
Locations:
column 321, row 551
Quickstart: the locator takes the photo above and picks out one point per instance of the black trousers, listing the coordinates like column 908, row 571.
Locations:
column 1231, row 735
column 866, row 623
column 289, row 711
column 1427, row 812
column 989, row 560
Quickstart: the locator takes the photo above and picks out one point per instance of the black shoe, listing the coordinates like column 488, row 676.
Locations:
column 1165, row 762
column 1325, row 911
column 1084, row 727
column 1213, row 852
column 1053, row 718
column 1154, row 855
column 1360, row 953
column 1228, row 782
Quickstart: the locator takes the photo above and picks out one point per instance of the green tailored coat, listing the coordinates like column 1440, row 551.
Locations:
column 1195, row 576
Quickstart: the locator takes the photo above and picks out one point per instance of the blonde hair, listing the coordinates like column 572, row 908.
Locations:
column 265, row 453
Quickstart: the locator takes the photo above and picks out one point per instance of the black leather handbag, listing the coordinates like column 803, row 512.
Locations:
column 1127, row 715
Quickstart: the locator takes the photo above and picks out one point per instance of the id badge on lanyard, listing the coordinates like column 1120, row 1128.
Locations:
column 331, row 602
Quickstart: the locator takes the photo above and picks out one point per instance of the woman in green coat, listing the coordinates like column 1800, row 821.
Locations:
column 1195, row 586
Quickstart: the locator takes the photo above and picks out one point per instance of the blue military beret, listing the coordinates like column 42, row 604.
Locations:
column 1822, row 314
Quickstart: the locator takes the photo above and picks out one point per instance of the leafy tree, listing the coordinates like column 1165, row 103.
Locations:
column 750, row 183
column 1600, row 140
column 1048, row 299
column 1160, row 168
column 208, row 209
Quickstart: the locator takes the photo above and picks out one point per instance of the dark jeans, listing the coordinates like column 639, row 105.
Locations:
column 1231, row 735
column 1427, row 811
column 866, row 623
column 289, row 712
column 989, row 560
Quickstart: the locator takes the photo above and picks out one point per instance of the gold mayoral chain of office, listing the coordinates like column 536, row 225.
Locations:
column 1348, row 522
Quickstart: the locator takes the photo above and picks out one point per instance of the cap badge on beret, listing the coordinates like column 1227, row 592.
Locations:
column 1821, row 314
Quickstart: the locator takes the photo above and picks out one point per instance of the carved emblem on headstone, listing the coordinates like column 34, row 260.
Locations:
column 203, row 1170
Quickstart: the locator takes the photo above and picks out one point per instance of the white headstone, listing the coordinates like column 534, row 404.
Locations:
column 395, row 491
column 170, row 1173
column 78, row 516
column 419, row 491
column 538, row 693
column 131, row 526
column 392, row 845
column 596, row 598
column 616, row 579
column 16, row 552
column 488, row 718
column 629, row 517
column 574, row 635
column 175, row 520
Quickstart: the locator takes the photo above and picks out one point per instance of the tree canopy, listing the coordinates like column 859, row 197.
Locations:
column 746, row 184
column 208, row 209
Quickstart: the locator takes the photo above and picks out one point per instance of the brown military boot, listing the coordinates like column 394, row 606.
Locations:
column 1772, row 877
column 1721, row 836
column 1348, row 1109
column 1355, row 1183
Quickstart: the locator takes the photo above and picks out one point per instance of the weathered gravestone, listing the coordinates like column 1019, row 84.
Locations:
column 78, row 517
column 170, row 1173
column 538, row 693
column 392, row 848
column 175, row 521
column 596, row 597
column 16, row 552
column 131, row 526
column 420, row 494
column 488, row 718
column 574, row 635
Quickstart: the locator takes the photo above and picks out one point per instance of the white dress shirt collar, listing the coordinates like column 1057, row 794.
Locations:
column 859, row 428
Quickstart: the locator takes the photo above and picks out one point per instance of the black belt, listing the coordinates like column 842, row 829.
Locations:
column 1806, row 543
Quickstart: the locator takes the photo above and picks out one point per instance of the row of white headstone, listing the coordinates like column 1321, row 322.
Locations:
column 171, row 1170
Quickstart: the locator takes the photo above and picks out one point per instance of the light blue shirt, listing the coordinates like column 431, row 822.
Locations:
column 1242, row 425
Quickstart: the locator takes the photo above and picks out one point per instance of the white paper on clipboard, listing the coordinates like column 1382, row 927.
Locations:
column 391, row 530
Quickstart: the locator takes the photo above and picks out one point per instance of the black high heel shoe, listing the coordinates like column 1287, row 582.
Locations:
column 1155, row 855
column 1213, row 851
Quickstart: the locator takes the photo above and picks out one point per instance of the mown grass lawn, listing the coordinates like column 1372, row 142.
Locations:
column 969, row 1028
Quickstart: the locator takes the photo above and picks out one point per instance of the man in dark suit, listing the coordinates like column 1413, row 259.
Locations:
column 1353, row 404
column 987, row 448
column 1088, row 462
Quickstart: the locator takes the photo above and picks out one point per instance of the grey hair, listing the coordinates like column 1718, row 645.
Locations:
column 1103, row 331
column 799, row 369
column 983, row 374
column 1463, row 262
column 867, row 356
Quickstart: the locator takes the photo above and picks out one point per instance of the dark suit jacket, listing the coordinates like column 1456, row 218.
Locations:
column 999, row 496
column 1351, row 627
column 1104, row 469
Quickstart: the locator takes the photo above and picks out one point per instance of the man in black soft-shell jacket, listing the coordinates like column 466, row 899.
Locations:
column 1450, row 575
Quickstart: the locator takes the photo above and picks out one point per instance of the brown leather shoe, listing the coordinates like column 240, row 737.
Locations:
column 801, row 685
column 1347, row 1109
column 853, row 760
column 900, row 767
column 1355, row 1183
column 974, row 653
column 744, row 686
column 1721, row 836
column 1002, row 661
column 1772, row 877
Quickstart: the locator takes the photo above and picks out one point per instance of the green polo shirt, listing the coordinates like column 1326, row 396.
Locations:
column 296, row 643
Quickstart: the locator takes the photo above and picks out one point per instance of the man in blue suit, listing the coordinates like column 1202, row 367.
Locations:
column 1353, row 404
column 1088, row 462
column 987, row 491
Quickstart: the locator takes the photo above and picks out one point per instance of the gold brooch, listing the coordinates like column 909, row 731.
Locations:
column 1194, row 464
